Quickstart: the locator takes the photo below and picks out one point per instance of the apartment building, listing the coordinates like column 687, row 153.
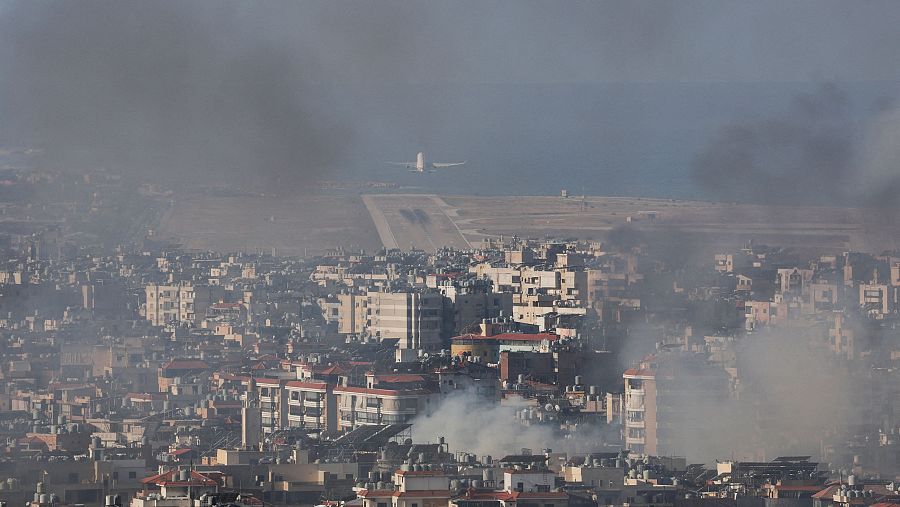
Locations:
column 467, row 306
column 360, row 406
column 640, row 410
column 179, row 304
column 653, row 402
column 415, row 319
column 877, row 298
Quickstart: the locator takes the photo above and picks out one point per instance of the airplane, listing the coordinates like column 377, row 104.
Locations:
column 419, row 165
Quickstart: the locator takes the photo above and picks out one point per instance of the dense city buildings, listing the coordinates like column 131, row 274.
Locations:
column 517, row 372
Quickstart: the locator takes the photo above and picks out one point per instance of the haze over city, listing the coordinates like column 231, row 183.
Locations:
column 449, row 254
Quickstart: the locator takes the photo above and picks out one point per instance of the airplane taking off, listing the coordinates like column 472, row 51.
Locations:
column 419, row 165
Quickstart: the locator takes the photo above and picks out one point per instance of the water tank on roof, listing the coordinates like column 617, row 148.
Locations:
column 578, row 380
column 851, row 480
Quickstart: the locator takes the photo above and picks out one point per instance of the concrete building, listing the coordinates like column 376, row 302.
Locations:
column 466, row 307
column 415, row 319
column 654, row 397
column 360, row 406
column 876, row 298
column 179, row 304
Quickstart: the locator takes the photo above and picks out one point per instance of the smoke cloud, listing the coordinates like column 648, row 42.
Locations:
column 278, row 93
column 817, row 153
column 471, row 424
column 178, row 90
column 770, row 160
column 791, row 397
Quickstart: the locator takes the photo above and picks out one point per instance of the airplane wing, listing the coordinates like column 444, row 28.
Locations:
column 404, row 164
column 443, row 165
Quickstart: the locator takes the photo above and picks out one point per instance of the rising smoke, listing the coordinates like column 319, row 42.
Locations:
column 184, row 91
column 816, row 153
column 472, row 424
column 791, row 397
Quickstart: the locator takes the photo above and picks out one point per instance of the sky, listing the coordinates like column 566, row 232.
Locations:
column 625, row 97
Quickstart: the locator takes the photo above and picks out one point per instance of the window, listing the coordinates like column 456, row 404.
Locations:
column 132, row 475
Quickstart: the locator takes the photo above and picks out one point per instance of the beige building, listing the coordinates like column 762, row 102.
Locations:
column 361, row 406
column 640, row 411
column 179, row 304
column 469, row 308
column 413, row 318
column 876, row 298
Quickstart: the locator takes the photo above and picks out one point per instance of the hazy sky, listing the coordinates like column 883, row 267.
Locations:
column 537, row 95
